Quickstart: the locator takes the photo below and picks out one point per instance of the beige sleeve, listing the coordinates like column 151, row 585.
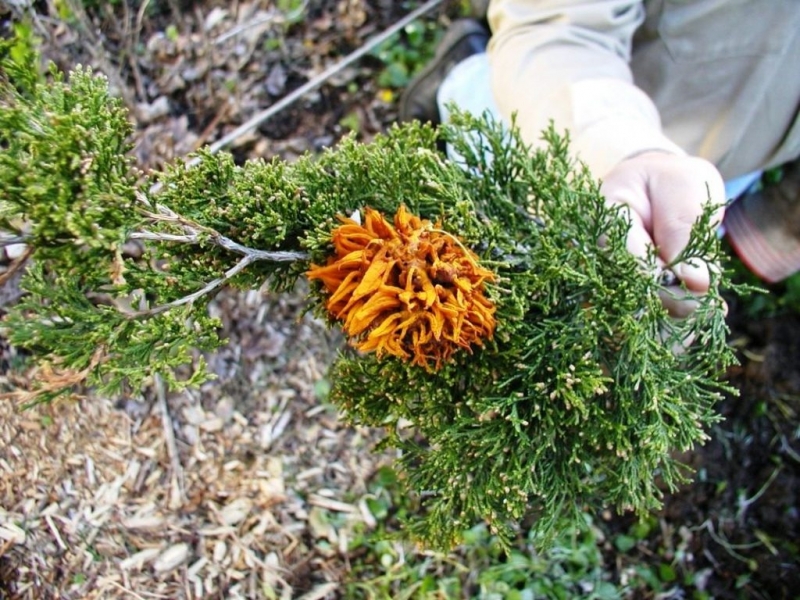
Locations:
column 566, row 61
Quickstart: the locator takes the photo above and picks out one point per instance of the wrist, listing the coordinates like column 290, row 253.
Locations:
column 606, row 144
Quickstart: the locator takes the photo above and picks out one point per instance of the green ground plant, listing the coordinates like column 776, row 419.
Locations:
column 577, row 564
column 405, row 54
column 483, row 567
column 761, row 301
column 577, row 397
column 593, row 558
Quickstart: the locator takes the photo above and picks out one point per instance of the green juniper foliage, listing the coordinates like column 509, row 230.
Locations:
column 67, row 186
column 579, row 399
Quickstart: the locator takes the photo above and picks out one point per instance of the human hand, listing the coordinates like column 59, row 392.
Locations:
column 665, row 194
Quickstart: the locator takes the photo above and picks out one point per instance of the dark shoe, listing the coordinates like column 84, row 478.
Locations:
column 764, row 227
column 464, row 38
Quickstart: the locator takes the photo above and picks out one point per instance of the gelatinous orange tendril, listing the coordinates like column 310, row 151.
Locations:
column 412, row 290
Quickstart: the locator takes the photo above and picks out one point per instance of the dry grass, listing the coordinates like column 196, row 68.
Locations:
column 96, row 505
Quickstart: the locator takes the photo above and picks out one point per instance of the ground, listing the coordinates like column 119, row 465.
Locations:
column 252, row 487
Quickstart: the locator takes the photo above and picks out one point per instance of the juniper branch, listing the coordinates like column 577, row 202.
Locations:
column 578, row 398
column 205, row 290
column 216, row 238
column 197, row 234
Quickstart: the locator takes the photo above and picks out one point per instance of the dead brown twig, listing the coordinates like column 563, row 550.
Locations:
column 177, row 496
column 98, row 52
column 131, row 41
column 52, row 379
column 16, row 266
column 317, row 81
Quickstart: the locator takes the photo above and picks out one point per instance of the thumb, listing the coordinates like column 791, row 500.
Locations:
column 671, row 238
column 678, row 200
